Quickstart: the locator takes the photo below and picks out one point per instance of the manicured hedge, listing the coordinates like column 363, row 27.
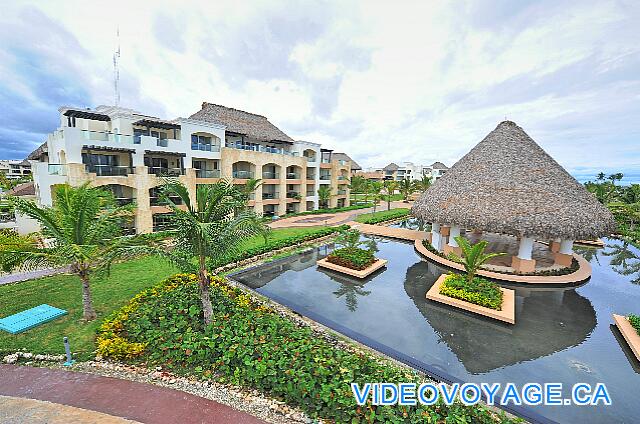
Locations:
column 479, row 292
column 634, row 320
column 378, row 217
column 278, row 244
column 251, row 345
column 353, row 258
column 329, row 210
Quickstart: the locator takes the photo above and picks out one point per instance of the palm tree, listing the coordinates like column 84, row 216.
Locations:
column 249, row 187
column 82, row 230
column 324, row 195
column 473, row 256
column 424, row 183
column 375, row 191
column 211, row 228
column 390, row 188
column 358, row 185
column 407, row 188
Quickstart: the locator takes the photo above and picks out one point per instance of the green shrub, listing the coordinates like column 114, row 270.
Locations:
column 479, row 292
column 634, row 320
column 382, row 216
column 352, row 257
column 251, row 345
column 278, row 244
column 329, row 210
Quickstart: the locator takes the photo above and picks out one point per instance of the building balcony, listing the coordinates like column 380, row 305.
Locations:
column 342, row 192
column 207, row 173
column 110, row 137
column 205, row 147
column 311, row 193
column 57, row 169
column 109, row 170
column 262, row 149
column 8, row 216
column 275, row 195
column 243, row 175
column 293, row 176
column 325, row 177
column 270, row 175
column 342, row 178
column 160, row 201
column 311, row 159
column 121, row 201
column 293, row 195
column 161, row 171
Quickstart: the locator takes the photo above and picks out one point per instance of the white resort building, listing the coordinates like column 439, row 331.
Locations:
column 129, row 153
column 407, row 170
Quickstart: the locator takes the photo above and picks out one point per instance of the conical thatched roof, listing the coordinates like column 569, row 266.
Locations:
column 508, row 184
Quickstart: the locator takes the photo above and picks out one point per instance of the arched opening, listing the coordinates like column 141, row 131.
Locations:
column 294, row 172
column 310, row 154
column 270, row 171
column 123, row 194
column 243, row 170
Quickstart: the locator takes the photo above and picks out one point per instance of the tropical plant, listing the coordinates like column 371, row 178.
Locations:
column 424, row 183
column 324, row 195
column 390, row 188
column 208, row 229
column 473, row 256
column 82, row 230
column 350, row 239
column 249, row 187
column 375, row 191
column 407, row 188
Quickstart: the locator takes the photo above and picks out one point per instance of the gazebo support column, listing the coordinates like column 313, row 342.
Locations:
column 554, row 245
column 564, row 256
column 523, row 262
column 452, row 245
column 436, row 238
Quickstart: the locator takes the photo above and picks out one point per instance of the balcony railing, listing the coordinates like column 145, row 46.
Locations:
column 342, row 178
column 311, row 193
column 326, row 160
column 110, row 137
column 311, row 159
column 293, row 176
column 161, row 171
column 325, row 176
column 342, row 192
column 260, row 148
column 270, row 175
column 7, row 217
column 160, row 201
column 343, row 162
column 57, row 169
column 311, row 177
column 109, row 170
column 124, row 200
column 207, row 173
column 270, row 195
column 243, row 174
column 205, row 147
column 293, row 195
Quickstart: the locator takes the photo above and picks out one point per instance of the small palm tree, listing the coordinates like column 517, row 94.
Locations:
column 82, row 230
column 473, row 256
column 324, row 195
column 424, row 183
column 210, row 229
column 357, row 185
column 407, row 188
column 350, row 239
column 390, row 188
column 375, row 191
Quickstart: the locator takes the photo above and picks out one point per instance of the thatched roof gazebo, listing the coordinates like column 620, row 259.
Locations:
column 508, row 184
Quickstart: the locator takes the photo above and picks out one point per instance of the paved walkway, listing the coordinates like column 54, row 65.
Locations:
column 29, row 275
column 397, row 233
column 332, row 219
column 116, row 398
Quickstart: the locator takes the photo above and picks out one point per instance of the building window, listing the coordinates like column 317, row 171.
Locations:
column 201, row 142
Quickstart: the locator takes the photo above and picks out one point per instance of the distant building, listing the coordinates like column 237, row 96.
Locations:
column 15, row 169
column 406, row 170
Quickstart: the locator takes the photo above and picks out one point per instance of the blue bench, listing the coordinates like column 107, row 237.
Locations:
column 23, row 321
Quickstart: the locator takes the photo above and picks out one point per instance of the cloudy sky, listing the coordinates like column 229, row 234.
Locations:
column 383, row 81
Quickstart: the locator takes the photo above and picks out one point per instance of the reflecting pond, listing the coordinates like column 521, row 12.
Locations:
column 561, row 334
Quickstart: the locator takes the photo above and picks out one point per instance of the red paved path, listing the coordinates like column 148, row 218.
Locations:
column 122, row 398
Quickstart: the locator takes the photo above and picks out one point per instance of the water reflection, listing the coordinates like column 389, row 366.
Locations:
column 548, row 321
column 412, row 224
column 349, row 287
column 624, row 259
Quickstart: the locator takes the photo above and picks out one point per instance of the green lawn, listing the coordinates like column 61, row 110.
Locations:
column 383, row 215
column 108, row 292
column 64, row 291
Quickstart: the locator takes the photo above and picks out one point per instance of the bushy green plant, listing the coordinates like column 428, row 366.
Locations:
column 352, row 257
column 251, row 345
column 478, row 291
column 383, row 216
column 473, row 256
column 634, row 320
column 328, row 210
column 271, row 245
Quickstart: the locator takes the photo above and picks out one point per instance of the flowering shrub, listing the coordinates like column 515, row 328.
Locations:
column 251, row 345
column 479, row 292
